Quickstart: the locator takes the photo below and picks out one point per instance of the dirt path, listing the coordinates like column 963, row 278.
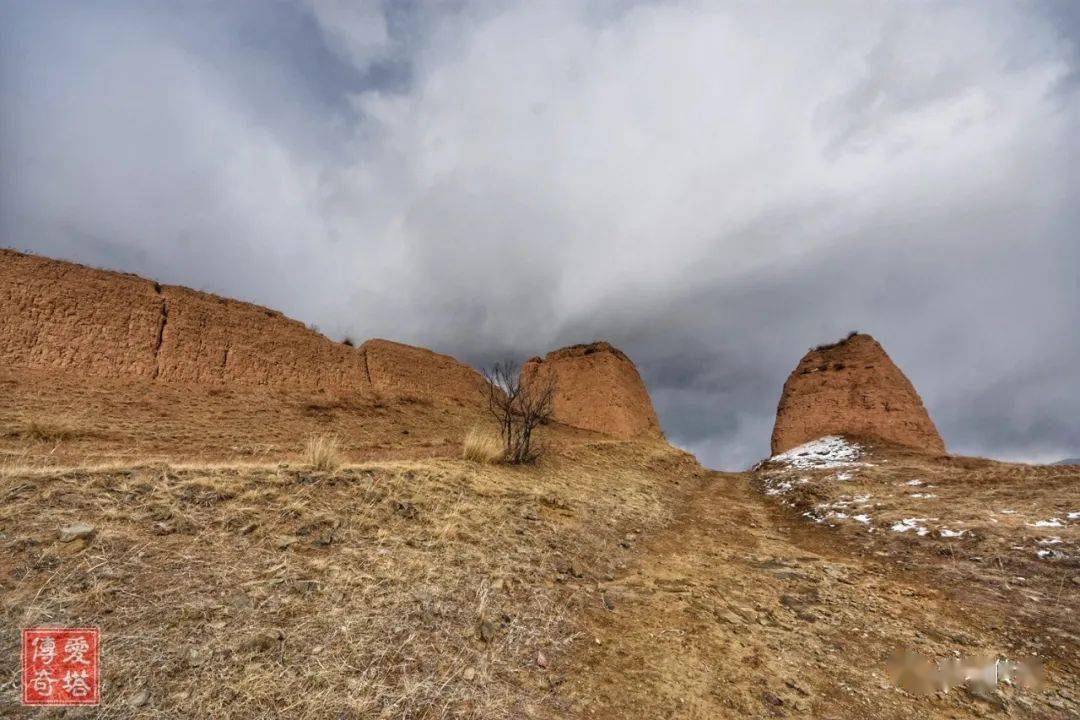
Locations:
column 737, row 611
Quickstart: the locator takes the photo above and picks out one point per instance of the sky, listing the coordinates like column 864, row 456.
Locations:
column 713, row 187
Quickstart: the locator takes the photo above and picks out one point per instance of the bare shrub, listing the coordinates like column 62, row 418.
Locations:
column 482, row 447
column 518, row 407
column 322, row 453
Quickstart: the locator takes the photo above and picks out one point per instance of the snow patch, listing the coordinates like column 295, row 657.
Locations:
column 826, row 452
column 779, row 488
column 1052, row 522
column 947, row 533
column 911, row 524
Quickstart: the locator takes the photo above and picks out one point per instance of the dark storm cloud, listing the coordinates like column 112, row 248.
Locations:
column 713, row 187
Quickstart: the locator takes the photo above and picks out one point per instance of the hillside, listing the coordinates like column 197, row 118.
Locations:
column 616, row 579
column 744, row 607
column 411, row 588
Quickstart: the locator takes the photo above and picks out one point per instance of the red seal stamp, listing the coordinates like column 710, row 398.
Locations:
column 60, row 666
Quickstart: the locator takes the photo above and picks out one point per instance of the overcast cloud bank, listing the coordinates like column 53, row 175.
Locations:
column 712, row 187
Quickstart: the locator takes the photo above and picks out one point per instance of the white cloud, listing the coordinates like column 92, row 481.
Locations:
column 355, row 28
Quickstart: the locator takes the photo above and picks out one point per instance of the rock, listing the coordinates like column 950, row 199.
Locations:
column 487, row 630
column 541, row 659
column 597, row 388
column 772, row 698
column 608, row 602
column 406, row 509
column 196, row 657
column 263, row 641
column 284, row 542
column 469, row 675
column 746, row 614
column 240, row 601
column 852, row 388
column 77, row 531
column 731, row 618
column 139, row 699
column 797, row 688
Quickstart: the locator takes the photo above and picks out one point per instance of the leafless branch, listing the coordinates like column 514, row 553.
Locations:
column 519, row 405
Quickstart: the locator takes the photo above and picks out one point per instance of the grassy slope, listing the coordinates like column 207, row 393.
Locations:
column 423, row 588
column 231, row 581
column 994, row 537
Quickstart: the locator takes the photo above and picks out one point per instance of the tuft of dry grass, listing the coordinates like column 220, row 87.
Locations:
column 38, row 429
column 322, row 453
column 482, row 447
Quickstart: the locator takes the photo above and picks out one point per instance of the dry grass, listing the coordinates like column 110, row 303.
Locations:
column 322, row 452
column 131, row 420
column 482, row 447
column 43, row 429
column 978, row 519
column 418, row 589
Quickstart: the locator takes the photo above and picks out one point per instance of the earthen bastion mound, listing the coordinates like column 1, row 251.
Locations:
column 597, row 388
column 60, row 316
column 853, row 388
